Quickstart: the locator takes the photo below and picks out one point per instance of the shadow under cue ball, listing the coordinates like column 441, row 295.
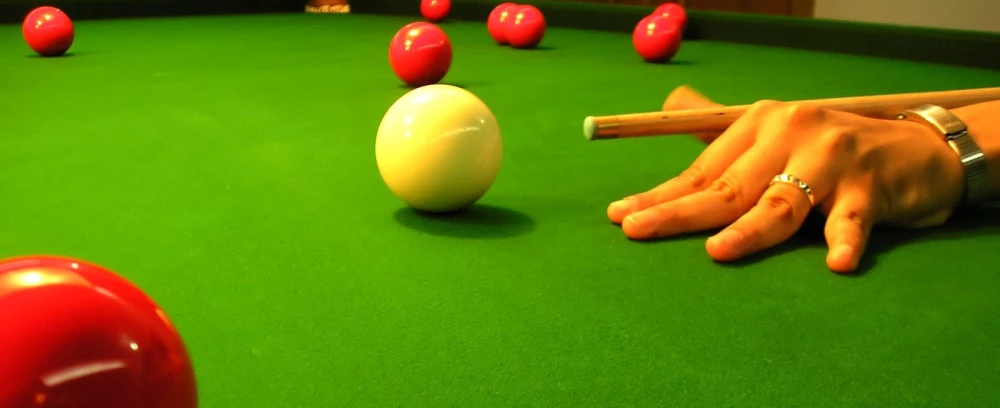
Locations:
column 439, row 148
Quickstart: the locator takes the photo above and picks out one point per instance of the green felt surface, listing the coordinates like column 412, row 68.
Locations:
column 226, row 165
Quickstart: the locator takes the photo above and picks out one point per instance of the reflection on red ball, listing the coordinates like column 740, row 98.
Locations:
column 48, row 31
column 673, row 12
column 86, row 338
column 435, row 10
column 497, row 20
column 527, row 28
column 656, row 38
column 420, row 54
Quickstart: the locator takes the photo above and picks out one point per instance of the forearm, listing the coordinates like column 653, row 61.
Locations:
column 983, row 120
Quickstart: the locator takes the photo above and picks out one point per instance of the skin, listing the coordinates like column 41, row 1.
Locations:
column 862, row 171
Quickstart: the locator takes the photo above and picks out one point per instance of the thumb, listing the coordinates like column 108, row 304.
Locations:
column 684, row 98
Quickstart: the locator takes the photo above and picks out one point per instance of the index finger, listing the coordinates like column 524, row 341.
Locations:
column 709, row 165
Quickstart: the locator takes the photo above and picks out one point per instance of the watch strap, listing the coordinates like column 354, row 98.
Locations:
column 956, row 134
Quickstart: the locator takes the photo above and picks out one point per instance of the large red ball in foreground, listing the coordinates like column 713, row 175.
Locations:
column 420, row 54
column 495, row 24
column 656, row 39
column 48, row 31
column 435, row 10
column 673, row 12
column 76, row 335
column 527, row 28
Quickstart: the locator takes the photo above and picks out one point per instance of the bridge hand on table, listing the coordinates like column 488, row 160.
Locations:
column 860, row 171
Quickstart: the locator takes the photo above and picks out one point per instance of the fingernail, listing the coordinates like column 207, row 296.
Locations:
column 637, row 222
column 729, row 238
column 621, row 205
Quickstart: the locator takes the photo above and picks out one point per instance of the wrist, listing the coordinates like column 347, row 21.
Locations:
column 955, row 133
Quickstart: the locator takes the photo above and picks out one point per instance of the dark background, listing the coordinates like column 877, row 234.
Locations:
column 12, row 11
column 754, row 25
column 15, row 10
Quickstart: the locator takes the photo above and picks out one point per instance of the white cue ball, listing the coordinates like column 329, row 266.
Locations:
column 438, row 148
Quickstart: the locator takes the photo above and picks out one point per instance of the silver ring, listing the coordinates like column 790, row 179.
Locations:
column 786, row 178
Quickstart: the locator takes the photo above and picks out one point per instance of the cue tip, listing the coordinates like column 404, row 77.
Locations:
column 600, row 128
column 589, row 128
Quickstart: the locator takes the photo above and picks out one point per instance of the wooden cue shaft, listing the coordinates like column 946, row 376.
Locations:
column 718, row 119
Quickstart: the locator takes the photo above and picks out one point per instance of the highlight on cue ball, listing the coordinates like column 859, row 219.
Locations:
column 439, row 148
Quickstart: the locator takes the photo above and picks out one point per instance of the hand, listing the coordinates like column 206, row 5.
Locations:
column 861, row 171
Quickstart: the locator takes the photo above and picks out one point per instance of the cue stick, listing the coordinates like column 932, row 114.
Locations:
column 718, row 119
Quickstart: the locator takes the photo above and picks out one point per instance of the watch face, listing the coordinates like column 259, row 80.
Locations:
column 938, row 118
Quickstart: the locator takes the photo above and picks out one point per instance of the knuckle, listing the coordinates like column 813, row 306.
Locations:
column 661, row 213
column 753, row 235
column 780, row 207
column 761, row 107
column 800, row 113
column 662, row 218
column 693, row 177
column 837, row 140
column 850, row 219
column 854, row 217
column 729, row 189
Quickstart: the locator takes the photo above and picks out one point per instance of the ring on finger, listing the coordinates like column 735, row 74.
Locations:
column 785, row 178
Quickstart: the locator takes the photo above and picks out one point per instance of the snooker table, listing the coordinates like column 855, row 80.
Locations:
column 225, row 164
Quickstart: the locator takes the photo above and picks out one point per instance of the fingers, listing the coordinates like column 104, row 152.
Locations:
column 692, row 179
column 847, row 230
column 709, row 166
column 731, row 183
column 683, row 98
column 778, row 214
column 725, row 200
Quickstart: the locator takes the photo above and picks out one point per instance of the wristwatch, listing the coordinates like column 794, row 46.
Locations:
column 956, row 134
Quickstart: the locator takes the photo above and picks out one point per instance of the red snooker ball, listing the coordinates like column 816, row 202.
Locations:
column 420, row 54
column 48, row 31
column 77, row 335
column 495, row 24
column 527, row 28
column 656, row 38
column 435, row 10
column 673, row 12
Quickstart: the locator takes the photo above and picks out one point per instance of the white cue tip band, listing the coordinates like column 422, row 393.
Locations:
column 589, row 128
